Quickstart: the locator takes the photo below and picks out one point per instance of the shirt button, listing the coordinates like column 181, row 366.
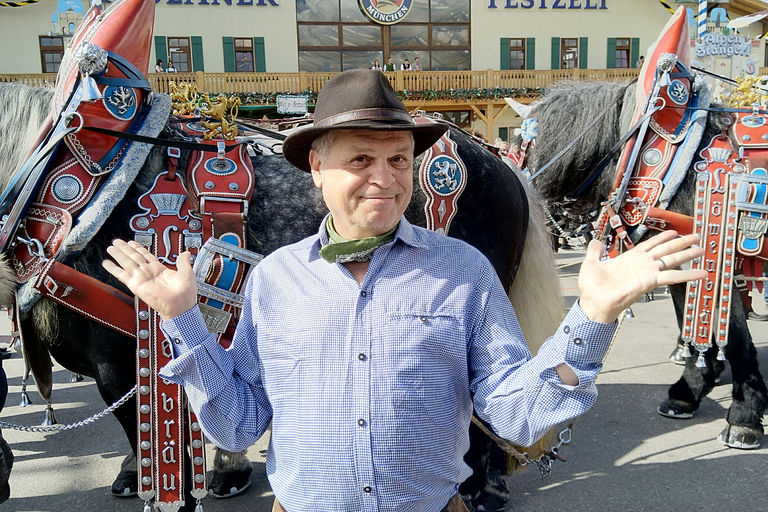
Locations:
column 578, row 341
column 361, row 357
column 361, row 422
column 177, row 341
column 566, row 329
column 367, row 488
column 363, row 294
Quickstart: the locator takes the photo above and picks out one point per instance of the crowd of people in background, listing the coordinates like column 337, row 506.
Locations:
column 390, row 65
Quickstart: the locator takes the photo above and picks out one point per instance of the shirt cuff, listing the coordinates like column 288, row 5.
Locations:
column 186, row 331
column 581, row 344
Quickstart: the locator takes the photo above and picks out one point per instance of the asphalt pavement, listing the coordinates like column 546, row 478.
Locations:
column 623, row 455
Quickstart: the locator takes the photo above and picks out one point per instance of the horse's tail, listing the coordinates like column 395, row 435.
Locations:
column 535, row 292
column 538, row 301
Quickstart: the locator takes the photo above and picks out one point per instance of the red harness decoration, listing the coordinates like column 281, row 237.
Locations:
column 707, row 309
column 443, row 177
column 166, row 228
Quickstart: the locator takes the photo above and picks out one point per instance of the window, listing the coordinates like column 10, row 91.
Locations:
column 517, row 54
column 569, row 51
column 180, row 54
column 623, row 49
column 51, row 52
column 333, row 35
column 244, row 55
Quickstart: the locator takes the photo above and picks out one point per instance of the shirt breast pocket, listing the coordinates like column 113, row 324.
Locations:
column 429, row 355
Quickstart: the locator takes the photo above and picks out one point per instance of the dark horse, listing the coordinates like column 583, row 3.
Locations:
column 496, row 214
column 562, row 115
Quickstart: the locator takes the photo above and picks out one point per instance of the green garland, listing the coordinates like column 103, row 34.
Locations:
column 496, row 93
column 480, row 94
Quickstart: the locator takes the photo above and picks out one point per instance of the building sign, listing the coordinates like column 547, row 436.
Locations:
column 291, row 104
column 722, row 45
column 547, row 4
column 385, row 12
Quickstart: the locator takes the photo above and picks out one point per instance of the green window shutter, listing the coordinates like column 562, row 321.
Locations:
column 555, row 53
column 503, row 132
column 260, row 66
column 530, row 53
column 635, row 56
column 161, row 51
column 504, row 53
column 229, row 54
column 583, row 53
column 198, row 63
column 611, row 64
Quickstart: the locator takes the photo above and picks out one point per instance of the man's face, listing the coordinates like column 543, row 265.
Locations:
column 366, row 180
column 389, row 60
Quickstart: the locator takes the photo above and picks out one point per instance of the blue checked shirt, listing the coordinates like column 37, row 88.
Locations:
column 370, row 387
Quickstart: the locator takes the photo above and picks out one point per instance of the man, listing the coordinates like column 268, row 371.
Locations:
column 368, row 345
column 416, row 66
column 405, row 66
column 390, row 65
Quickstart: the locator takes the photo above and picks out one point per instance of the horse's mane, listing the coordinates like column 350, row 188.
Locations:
column 24, row 110
column 562, row 114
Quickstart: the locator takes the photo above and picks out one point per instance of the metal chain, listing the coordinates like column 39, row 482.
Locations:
column 87, row 421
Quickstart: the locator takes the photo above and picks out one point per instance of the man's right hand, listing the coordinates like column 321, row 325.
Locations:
column 169, row 292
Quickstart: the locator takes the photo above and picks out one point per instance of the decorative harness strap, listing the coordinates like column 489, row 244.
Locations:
column 173, row 220
column 443, row 177
column 707, row 309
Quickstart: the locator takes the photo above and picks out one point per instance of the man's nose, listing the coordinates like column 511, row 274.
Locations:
column 382, row 174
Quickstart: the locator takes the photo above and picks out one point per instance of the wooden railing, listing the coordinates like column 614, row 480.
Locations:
column 31, row 79
column 411, row 81
column 400, row 80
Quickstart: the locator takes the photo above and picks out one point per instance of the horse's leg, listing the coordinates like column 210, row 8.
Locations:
column 749, row 395
column 677, row 291
column 686, row 394
column 107, row 357
column 232, row 474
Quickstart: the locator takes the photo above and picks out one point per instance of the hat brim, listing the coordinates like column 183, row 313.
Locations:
column 296, row 146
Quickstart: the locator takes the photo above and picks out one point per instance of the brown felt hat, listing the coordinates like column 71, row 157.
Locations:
column 360, row 99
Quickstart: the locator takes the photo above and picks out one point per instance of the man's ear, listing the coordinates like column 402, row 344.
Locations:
column 314, row 165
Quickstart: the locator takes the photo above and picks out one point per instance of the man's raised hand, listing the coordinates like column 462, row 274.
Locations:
column 610, row 286
column 169, row 292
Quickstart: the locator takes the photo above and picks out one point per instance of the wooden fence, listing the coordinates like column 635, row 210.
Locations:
column 411, row 81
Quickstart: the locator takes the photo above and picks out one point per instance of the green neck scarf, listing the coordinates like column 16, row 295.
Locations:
column 341, row 250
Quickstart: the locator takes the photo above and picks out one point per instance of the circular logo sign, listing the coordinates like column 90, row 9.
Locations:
column 385, row 12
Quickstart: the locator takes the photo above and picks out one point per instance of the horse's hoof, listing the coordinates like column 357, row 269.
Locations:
column 230, row 483
column 126, row 485
column 677, row 355
column 743, row 438
column 76, row 377
column 676, row 409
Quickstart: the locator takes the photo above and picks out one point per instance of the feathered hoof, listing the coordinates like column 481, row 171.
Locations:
column 740, row 437
column 126, row 484
column 677, row 356
column 230, row 483
column 676, row 409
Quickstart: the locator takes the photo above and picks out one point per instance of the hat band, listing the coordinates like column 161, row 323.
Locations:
column 366, row 114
